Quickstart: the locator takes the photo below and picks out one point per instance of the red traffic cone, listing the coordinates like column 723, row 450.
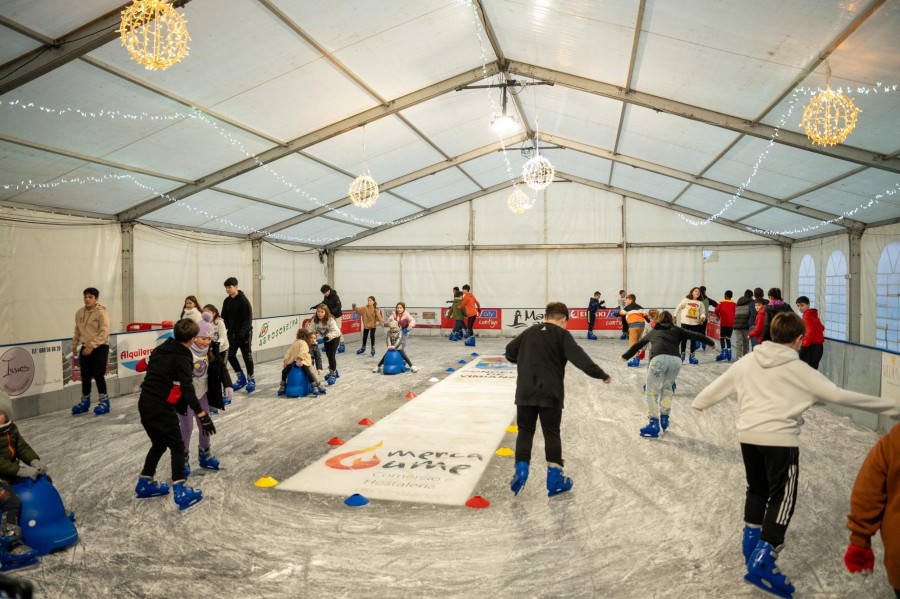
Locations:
column 336, row 441
column 410, row 395
column 365, row 422
column 478, row 502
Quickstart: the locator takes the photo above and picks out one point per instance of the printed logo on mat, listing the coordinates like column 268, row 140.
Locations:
column 495, row 364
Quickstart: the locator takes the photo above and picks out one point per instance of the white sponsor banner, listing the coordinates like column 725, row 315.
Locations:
column 275, row 332
column 433, row 449
column 890, row 376
column 516, row 320
column 426, row 318
column 31, row 368
column 131, row 348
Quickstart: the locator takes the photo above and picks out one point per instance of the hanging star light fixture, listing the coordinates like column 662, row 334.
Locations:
column 154, row 34
column 364, row 189
column 830, row 116
column 538, row 173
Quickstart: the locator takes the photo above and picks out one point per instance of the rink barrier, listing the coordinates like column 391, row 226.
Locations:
column 47, row 379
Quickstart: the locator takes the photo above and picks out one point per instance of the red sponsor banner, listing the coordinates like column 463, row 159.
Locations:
column 351, row 322
column 605, row 320
column 488, row 320
column 712, row 327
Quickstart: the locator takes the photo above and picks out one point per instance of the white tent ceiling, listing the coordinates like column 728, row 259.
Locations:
column 258, row 131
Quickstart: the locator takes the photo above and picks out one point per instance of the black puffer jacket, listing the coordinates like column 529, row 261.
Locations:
column 218, row 379
column 238, row 316
column 333, row 303
column 742, row 313
column 168, row 365
column 772, row 309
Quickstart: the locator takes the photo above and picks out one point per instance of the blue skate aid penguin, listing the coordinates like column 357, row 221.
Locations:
column 17, row 460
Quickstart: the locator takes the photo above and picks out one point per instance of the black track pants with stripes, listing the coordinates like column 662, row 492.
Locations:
column 771, row 488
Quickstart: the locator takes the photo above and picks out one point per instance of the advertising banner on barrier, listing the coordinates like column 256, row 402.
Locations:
column 712, row 327
column 516, row 319
column 604, row 320
column 890, row 376
column 31, row 368
column 490, row 319
column 275, row 332
column 351, row 322
column 134, row 347
column 426, row 318
column 71, row 365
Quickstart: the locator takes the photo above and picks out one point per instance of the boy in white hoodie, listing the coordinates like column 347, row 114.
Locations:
column 774, row 387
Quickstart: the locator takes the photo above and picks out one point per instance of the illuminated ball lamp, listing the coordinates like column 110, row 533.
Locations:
column 363, row 191
column 829, row 118
column 518, row 201
column 154, row 34
column 538, row 173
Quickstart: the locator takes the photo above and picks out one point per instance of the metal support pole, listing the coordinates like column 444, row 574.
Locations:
column 256, row 244
column 624, row 249
column 854, row 288
column 329, row 267
column 786, row 272
column 471, row 247
column 127, row 274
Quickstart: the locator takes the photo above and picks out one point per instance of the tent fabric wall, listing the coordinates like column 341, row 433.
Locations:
column 429, row 277
column 820, row 250
column 873, row 242
column 648, row 223
column 661, row 277
column 739, row 268
column 445, row 227
column 359, row 274
column 510, row 278
column 574, row 275
column 170, row 265
column 46, row 263
column 291, row 279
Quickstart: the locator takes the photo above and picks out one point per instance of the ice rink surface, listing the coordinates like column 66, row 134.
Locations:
column 646, row 518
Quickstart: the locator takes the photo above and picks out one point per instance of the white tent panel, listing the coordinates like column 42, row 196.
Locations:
column 574, row 275
column 14, row 44
column 568, row 37
column 387, row 147
column 852, row 196
column 712, row 202
column 738, row 269
column 235, row 45
column 784, row 172
column 92, row 91
column 496, row 168
column 662, row 277
column 291, row 281
column 438, row 188
column 647, row 223
column 386, row 209
column 379, row 51
column 169, row 266
column 42, row 167
column 447, row 227
column 579, row 164
column 108, row 197
column 208, row 149
column 70, row 255
column 573, row 114
column 646, row 183
column 496, row 225
column 510, row 279
column 580, row 214
column 789, row 224
column 317, row 231
column 55, row 18
column 456, row 122
column 358, row 275
column 294, row 181
column 874, row 241
column 221, row 212
column 671, row 140
column 712, row 56
column 285, row 107
column 820, row 251
column 429, row 277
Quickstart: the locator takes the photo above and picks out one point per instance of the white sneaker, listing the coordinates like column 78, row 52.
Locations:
column 413, row 369
column 376, row 369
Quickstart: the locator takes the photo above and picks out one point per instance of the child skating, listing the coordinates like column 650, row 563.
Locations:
column 594, row 304
column 693, row 319
column 370, row 316
column 299, row 354
column 395, row 339
column 774, row 387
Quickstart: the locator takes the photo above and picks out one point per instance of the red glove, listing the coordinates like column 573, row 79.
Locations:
column 641, row 356
column 174, row 393
column 141, row 366
column 859, row 559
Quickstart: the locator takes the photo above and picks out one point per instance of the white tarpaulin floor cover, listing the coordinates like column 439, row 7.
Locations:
column 646, row 518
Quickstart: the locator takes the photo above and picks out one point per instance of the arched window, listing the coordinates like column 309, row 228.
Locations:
column 807, row 282
column 836, row 296
column 887, row 298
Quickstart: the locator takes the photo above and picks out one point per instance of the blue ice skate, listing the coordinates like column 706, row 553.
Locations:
column 361, row 350
column 651, row 431
column 721, row 356
column 471, row 341
column 282, row 389
column 624, row 336
column 341, row 348
column 728, row 354
column 14, row 553
column 592, row 336
column 240, row 383
column 751, row 539
column 102, row 406
column 521, row 477
column 762, row 572
column 330, row 378
column 664, row 421
column 337, row 374
column 673, row 386
column 693, row 360
column 82, row 406
column 634, row 362
column 251, row 385
column 372, row 353
column 187, row 466
column 682, row 357
column 557, row 482
column 207, row 460
column 185, row 497
column 148, row 487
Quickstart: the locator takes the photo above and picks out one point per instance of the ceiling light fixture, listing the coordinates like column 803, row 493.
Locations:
column 154, row 34
column 504, row 123
column 364, row 189
column 829, row 117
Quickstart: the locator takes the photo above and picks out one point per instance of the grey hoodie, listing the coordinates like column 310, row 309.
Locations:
column 774, row 388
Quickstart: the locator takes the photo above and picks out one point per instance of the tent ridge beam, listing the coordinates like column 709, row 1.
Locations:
column 309, row 139
column 709, row 117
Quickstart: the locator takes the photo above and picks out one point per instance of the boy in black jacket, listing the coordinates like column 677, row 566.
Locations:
column 167, row 388
column 238, row 316
column 541, row 353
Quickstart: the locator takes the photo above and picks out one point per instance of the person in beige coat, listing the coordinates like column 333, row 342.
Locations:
column 371, row 316
column 92, row 331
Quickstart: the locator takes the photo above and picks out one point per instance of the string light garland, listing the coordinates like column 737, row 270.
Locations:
column 154, row 34
column 518, row 201
column 830, row 116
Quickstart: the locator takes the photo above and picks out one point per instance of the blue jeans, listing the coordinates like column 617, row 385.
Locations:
column 663, row 370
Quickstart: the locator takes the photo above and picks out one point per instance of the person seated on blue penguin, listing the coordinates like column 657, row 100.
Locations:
column 396, row 340
column 17, row 461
